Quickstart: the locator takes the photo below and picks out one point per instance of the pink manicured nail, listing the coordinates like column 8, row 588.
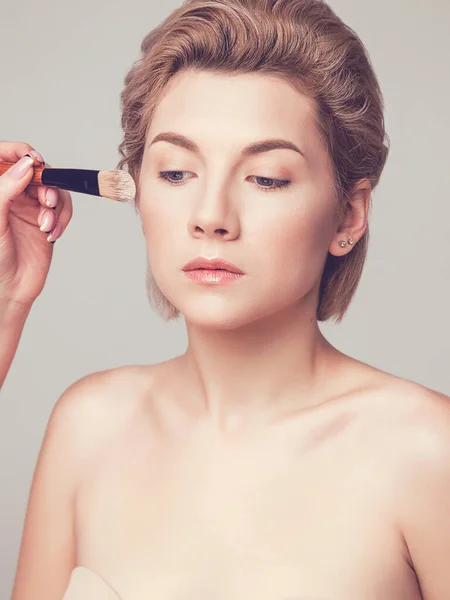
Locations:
column 38, row 155
column 46, row 219
column 55, row 233
column 51, row 197
column 21, row 167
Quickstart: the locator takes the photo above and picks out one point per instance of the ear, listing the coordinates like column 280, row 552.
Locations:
column 355, row 219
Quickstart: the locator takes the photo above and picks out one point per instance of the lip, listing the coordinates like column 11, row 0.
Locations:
column 211, row 263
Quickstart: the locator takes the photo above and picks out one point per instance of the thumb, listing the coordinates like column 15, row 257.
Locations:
column 12, row 183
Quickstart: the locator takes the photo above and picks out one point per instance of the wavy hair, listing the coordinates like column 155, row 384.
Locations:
column 307, row 44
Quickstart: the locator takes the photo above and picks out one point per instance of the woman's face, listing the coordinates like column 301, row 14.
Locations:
column 220, row 202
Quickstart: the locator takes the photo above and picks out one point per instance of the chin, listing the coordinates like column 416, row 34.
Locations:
column 221, row 314
column 212, row 317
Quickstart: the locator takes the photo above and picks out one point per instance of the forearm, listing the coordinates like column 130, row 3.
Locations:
column 12, row 321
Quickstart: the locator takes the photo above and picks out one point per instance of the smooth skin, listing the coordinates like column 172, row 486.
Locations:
column 262, row 463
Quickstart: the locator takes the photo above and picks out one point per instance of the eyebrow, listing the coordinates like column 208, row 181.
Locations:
column 251, row 149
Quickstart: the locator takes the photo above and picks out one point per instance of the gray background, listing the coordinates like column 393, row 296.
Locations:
column 62, row 70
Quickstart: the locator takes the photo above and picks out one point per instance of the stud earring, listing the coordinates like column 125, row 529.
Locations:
column 351, row 242
column 342, row 244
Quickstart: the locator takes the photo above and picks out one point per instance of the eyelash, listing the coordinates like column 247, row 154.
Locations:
column 279, row 183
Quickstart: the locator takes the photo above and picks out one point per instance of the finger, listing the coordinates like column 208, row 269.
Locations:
column 13, row 151
column 13, row 183
column 63, row 210
column 54, row 221
column 64, row 217
column 48, row 197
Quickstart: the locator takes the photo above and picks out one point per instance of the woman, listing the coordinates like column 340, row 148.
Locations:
column 263, row 463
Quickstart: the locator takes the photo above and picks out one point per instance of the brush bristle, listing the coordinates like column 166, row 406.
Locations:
column 116, row 185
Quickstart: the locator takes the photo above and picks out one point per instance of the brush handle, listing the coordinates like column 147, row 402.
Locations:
column 74, row 180
column 36, row 180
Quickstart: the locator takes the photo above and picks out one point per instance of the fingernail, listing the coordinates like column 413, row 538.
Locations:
column 46, row 219
column 21, row 167
column 51, row 197
column 55, row 233
column 37, row 155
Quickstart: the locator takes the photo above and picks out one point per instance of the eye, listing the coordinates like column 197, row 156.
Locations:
column 165, row 175
column 277, row 183
column 273, row 184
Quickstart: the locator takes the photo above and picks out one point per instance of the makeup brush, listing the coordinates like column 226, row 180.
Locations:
column 115, row 185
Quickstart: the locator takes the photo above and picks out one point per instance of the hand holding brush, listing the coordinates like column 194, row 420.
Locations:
column 35, row 209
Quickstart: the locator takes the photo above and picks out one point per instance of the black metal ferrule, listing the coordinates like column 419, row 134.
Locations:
column 74, row 180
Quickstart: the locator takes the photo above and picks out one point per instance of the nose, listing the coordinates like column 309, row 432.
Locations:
column 214, row 217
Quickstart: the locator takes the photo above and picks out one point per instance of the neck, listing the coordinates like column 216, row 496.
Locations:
column 247, row 375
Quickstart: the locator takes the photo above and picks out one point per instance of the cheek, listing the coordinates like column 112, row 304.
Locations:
column 158, row 217
column 299, row 245
column 159, row 240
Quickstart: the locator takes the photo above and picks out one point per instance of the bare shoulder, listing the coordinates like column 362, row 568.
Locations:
column 420, row 409
column 403, row 401
column 99, row 405
column 120, row 386
column 410, row 420
column 89, row 412
column 415, row 458
column 425, row 420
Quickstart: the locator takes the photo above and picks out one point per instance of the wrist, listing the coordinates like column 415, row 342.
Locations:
column 13, row 312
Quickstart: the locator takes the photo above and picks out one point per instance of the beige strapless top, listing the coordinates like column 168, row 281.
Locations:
column 85, row 584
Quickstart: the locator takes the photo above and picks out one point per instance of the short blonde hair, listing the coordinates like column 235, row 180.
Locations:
column 302, row 41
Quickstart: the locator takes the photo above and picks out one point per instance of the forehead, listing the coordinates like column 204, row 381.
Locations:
column 224, row 105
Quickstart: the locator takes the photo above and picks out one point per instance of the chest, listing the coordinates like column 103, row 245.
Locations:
column 265, row 521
